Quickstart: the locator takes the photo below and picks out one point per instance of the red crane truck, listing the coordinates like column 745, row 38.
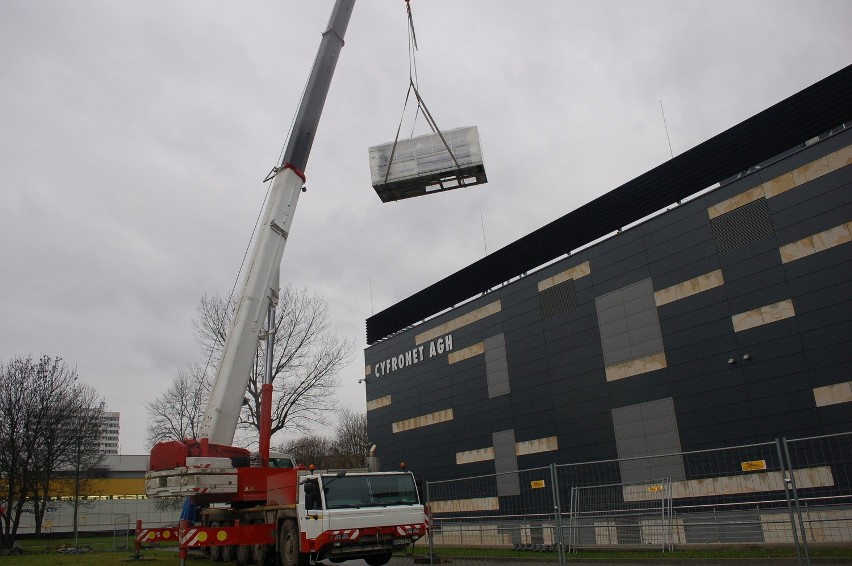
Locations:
column 274, row 511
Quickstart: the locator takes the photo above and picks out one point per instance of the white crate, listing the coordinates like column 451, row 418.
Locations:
column 423, row 165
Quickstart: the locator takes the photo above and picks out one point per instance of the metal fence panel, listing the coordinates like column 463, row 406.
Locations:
column 744, row 494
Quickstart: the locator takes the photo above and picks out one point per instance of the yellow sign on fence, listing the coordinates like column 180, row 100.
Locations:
column 655, row 488
column 753, row 465
column 537, row 484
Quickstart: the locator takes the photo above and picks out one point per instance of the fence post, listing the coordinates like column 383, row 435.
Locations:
column 431, row 523
column 784, row 480
column 557, row 509
column 672, row 525
column 183, row 525
column 796, row 500
column 572, row 523
column 138, row 544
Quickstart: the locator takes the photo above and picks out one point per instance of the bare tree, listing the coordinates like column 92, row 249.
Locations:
column 86, row 424
column 69, row 450
column 176, row 413
column 351, row 443
column 310, row 450
column 348, row 449
column 307, row 358
column 43, row 408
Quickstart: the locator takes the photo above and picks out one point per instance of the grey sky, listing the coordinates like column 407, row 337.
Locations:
column 134, row 136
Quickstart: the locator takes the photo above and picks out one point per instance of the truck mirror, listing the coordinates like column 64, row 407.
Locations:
column 309, row 488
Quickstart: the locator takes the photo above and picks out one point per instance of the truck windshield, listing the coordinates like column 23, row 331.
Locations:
column 369, row 491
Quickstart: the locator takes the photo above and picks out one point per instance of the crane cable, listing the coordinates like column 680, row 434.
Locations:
column 412, row 62
column 413, row 83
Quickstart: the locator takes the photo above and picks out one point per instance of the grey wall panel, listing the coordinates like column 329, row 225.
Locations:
column 648, row 429
column 505, row 463
column 633, row 307
column 496, row 370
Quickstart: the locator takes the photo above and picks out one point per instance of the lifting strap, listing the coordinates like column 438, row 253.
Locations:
column 412, row 82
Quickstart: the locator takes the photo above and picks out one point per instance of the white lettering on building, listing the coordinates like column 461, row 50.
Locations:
column 415, row 355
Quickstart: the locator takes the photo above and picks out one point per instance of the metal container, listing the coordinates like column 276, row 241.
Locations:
column 422, row 164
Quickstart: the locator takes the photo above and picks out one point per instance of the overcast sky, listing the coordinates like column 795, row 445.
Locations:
column 134, row 136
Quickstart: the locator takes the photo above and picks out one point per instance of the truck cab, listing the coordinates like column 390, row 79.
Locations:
column 347, row 515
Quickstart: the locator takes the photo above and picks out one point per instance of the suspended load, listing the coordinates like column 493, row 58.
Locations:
column 420, row 165
column 431, row 163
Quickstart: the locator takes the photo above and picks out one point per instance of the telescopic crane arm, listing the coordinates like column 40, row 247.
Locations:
column 260, row 286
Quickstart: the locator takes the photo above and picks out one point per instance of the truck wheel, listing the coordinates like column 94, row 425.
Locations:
column 378, row 559
column 217, row 551
column 244, row 557
column 262, row 554
column 288, row 544
column 229, row 553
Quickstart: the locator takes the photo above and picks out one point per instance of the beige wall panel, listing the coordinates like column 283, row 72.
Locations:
column 471, row 456
column 833, row 394
column 462, row 505
column 615, row 372
column 666, row 296
column 379, row 403
column 634, row 367
column 777, row 311
column 797, row 250
column 465, row 353
column 761, row 482
column 638, row 366
column 840, row 158
column 711, row 280
column 536, row 446
column 690, row 287
column 655, row 362
column 831, row 237
column 736, row 201
column 368, row 369
column 778, row 185
column 456, row 323
column 747, row 320
column 810, row 171
column 575, row 273
column 423, row 420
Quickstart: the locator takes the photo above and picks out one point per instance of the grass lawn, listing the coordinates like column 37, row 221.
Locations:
column 44, row 551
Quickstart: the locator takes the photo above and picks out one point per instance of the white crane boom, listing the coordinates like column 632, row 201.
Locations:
column 261, row 285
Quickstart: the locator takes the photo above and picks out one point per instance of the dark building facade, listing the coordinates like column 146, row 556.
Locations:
column 724, row 320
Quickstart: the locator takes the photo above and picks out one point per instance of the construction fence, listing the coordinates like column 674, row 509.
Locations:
column 788, row 492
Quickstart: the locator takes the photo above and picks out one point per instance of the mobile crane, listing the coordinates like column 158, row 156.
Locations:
column 258, row 514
